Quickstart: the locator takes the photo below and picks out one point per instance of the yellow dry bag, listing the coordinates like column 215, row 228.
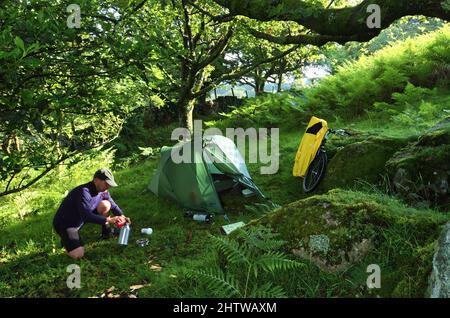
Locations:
column 309, row 145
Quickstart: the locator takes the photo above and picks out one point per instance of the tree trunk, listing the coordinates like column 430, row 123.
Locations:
column 280, row 81
column 186, row 110
column 59, row 137
column 259, row 85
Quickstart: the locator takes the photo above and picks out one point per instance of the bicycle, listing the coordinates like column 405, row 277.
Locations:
column 317, row 168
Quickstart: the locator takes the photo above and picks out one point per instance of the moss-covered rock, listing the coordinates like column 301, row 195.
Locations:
column 342, row 232
column 362, row 160
column 440, row 276
column 420, row 172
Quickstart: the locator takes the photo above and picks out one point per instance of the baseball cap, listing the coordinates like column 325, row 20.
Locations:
column 105, row 174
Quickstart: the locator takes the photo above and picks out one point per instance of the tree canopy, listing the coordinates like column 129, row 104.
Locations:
column 329, row 24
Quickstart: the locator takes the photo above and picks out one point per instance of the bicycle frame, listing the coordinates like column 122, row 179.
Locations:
column 325, row 138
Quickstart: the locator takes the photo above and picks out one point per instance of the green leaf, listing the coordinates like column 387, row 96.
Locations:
column 19, row 43
column 146, row 151
column 33, row 48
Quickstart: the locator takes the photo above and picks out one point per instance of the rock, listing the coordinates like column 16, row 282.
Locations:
column 420, row 172
column 319, row 243
column 342, row 232
column 440, row 277
column 364, row 160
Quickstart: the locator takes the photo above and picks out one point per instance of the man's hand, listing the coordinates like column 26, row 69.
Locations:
column 120, row 219
column 112, row 219
column 123, row 218
column 128, row 220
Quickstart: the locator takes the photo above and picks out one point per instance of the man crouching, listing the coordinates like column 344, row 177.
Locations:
column 87, row 203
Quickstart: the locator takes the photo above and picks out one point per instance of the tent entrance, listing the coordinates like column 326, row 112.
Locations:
column 223, row 182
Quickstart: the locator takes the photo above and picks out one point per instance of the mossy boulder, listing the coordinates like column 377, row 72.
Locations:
column 362, row 160
column 343, row 231
column 420, row 172
column 440, row 276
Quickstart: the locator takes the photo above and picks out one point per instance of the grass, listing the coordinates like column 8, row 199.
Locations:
column 34, row 265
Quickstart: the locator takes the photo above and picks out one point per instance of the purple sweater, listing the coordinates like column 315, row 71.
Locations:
column 80, row 205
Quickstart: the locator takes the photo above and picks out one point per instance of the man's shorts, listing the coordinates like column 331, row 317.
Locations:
column 70, row 237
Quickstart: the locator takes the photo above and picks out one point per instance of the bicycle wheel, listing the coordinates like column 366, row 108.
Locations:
column 315, row 172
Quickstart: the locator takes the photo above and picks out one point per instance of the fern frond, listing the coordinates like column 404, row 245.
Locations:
column 263, row 238
column 234, row 252
column 272, row 261
column 267, row 291
column 221, row 285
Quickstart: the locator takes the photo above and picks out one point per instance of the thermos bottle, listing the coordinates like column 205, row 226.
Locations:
column 124, row 233
column 202, row 217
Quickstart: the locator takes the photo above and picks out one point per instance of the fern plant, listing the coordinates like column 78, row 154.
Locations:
column 252, row 253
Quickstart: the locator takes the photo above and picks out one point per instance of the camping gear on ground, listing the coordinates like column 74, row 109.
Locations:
column 202, row 217
column 227, row 229
column 124, row 234
column 309, row 145
column 142, row 242
column 214, row 166
column 147, row 231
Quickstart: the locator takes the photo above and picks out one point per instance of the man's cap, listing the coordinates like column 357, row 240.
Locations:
column 105, row 174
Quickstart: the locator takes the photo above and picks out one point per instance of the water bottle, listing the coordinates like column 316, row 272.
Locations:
column 147, row 231
column 124, row 233
column 202, row 217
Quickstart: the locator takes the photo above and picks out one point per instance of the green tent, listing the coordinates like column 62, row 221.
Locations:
column 209, row 168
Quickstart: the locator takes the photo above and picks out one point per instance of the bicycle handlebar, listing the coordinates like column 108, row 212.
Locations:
column 340, row 132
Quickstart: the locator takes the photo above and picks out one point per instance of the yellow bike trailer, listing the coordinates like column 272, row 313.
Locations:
column 309, row 145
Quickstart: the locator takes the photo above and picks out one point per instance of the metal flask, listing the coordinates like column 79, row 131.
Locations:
column 124, row 234
column 202, row 217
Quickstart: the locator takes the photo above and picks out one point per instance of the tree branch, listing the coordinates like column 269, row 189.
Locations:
column 54, row 164
column 217, row 18
column 9, row 182
column 187, row 26
column 242, row 72
column 345, row 23
column 36, row 179
column 317, row 40
column 219, row 48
